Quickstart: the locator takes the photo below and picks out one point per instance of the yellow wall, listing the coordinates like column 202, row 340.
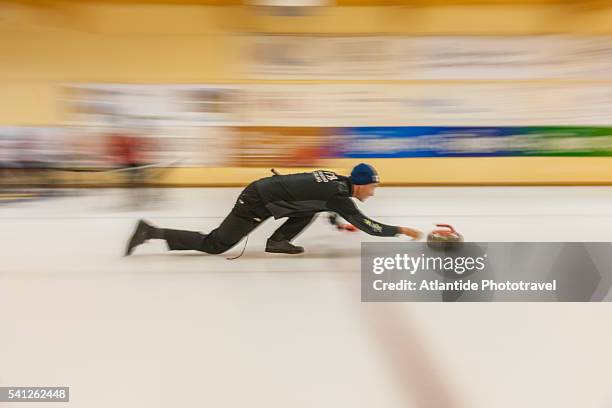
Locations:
column 50, row 43
column 393, row 172
column 41, row 46
column 439, row 171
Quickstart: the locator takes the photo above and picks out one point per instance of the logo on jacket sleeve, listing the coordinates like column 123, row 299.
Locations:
column 376, row 227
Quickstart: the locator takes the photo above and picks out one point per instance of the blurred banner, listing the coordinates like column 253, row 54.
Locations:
column 152, row 105
column 260, row 146
column 42, row 147
column 480, row 58
column 426, row 57
column 93, row 147
column 321, row 105
column 396, row 142
column 284, row 146
column 317, row 57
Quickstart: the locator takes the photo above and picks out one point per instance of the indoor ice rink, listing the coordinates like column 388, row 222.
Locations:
column 188, row 329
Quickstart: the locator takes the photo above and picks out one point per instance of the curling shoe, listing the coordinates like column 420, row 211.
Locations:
column 283, row 247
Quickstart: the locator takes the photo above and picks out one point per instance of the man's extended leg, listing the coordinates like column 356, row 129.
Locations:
column 280, row 241
column 229, row 233
column 246, row 215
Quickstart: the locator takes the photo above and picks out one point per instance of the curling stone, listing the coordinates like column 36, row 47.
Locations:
column 446, row 238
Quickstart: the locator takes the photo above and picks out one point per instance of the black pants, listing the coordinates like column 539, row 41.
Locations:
column 248, row 213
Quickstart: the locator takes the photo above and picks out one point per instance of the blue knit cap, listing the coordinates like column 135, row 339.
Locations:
column 364, row 174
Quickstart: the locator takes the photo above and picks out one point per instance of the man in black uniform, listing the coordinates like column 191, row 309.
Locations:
column 295, row 196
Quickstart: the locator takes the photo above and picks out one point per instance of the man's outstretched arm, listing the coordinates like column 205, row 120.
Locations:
column 349, row 211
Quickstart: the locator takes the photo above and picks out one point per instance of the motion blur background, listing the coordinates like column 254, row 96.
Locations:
column 510, row 100
column 215, row 92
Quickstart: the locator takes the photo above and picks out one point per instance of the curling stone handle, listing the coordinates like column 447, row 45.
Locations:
column 446, row 226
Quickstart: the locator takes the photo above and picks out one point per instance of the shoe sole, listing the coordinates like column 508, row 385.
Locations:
column 283, row 252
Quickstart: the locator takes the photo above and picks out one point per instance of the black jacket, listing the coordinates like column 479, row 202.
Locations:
column 303, row 194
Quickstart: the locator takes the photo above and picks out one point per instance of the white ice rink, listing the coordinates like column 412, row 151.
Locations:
column 161, row 329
